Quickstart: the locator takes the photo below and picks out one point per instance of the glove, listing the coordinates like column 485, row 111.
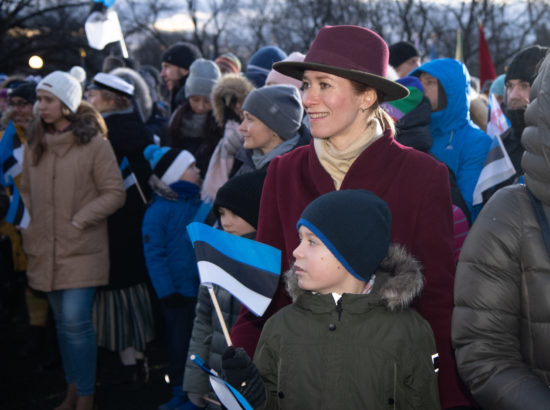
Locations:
column 174, row 300
column 243, row 375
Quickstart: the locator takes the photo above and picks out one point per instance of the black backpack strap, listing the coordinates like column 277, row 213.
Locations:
column 542, row 220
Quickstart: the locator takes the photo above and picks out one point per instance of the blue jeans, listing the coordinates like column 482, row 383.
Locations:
column 72, row 312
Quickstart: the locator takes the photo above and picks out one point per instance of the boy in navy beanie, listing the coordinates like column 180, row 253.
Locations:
column 349, row 322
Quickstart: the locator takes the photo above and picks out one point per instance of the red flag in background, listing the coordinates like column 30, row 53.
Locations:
column 486, row 67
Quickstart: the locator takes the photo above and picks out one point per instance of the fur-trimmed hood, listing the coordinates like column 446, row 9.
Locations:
column 398, row 279
column 228, row 91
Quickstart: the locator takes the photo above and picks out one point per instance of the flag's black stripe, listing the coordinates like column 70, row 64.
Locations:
column 19, row 213
column 494, row 155
column 259, row 280
column 126, row 172
column 8, row 163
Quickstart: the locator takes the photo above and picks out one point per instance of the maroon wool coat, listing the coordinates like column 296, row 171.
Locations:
column 416, row 188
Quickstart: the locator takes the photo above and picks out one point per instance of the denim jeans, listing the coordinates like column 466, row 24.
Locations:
column 72, row 312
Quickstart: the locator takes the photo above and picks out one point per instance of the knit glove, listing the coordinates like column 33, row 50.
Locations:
column 175, row 300
column 243, row 375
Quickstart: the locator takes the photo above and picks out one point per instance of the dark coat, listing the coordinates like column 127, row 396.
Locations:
column 129, row 137
column 416, row 188
column 501, row 319
column 365, row 352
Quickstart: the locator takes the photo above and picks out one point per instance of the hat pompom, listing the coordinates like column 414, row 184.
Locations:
column 153, row 153
column 78, row 73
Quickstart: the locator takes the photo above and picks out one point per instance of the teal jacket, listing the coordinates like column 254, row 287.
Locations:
column 457, row 141
column 364, row 352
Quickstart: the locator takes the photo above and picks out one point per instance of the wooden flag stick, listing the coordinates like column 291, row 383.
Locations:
column 220, row 316
column 140, row 191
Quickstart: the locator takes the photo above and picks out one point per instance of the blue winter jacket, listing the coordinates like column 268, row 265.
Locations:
column 169, row 254
column 457, row 141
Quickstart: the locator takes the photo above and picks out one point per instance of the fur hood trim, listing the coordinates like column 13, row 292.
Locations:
column 228, row 91
column 398, row 280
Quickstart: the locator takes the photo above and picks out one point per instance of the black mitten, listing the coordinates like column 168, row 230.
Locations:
column 241, row 373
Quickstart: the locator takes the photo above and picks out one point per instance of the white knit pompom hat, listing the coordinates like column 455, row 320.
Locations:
column 64, row 86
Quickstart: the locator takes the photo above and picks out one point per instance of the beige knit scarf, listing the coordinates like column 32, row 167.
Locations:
column 338, row 162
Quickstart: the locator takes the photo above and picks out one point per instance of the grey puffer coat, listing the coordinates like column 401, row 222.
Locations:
column 501, row 319
column 364, row 352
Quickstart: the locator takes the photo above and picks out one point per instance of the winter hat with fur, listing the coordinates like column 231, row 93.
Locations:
column 167, row 163
column 64, row 86
column 241, row 195
column 202, row 78
column 230, row 90
column 355, row 225
column 279, row 107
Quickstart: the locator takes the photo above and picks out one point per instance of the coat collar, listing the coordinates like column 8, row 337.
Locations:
column 60, row 143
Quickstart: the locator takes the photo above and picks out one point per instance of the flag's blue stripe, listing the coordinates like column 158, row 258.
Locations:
column 6, row 149
column 244, row 250
column 258, row 280
column 16, row 209
column 242, row 401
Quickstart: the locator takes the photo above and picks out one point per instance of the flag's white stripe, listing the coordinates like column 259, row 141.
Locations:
column 492, row 174
column 25, row 220
column 129, row 181
column 14, row 170
column 211, row 273
column 18, row 153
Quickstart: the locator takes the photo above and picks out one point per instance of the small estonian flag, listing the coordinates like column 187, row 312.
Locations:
column 10, row 159
column 228, row 395
column 247, row 269
column 127, row 175
column 17, row 213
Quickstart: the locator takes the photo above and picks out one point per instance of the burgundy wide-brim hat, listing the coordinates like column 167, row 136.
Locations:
column 351, row 52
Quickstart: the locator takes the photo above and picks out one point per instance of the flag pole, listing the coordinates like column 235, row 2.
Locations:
column 141, row 192
column 220, row 316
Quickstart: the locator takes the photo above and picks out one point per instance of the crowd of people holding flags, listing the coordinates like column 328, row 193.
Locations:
column 352, row 227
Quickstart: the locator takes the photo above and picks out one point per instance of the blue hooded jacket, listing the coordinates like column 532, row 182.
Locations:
column 169, row 253
column 457, row 141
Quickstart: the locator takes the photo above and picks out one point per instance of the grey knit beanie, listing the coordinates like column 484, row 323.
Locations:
column 279, row 107
column 64, row 86
column 203, row 75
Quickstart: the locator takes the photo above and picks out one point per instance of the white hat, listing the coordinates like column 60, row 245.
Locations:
column 103, row 81
column 64, row 86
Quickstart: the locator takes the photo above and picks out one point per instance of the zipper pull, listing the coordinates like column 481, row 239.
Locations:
column 339, row 308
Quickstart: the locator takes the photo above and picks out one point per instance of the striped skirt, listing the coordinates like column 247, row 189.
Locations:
column 123, row 318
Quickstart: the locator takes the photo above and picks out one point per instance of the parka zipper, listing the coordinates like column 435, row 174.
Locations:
column 339, row 308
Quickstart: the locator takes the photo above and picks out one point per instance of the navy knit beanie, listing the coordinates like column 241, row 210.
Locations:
column 525, row 64
column 401, row 52
column 355, row 225
column 260, row 63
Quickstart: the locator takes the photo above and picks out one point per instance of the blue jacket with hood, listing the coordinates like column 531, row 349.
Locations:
column 457, row 141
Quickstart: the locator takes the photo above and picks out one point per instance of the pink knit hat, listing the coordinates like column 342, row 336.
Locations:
column 275, row 77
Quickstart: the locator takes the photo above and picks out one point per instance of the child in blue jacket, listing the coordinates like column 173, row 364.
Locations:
column 169, row 253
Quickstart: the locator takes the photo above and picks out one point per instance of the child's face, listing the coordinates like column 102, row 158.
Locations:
column 318, row 270
column 192, row 174
column 200, row 104
column 234, row 224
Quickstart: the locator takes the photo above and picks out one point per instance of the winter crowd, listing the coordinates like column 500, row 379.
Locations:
column 399, row 290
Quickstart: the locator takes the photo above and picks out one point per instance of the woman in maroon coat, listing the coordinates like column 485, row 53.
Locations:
column 354, row 148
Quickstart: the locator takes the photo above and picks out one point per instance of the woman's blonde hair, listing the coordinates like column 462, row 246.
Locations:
column 375, row 110
column 86, row 123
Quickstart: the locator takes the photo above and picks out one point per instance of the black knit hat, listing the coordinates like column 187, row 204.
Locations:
column 241, row 195
column 355, row 225
column 25, row 90
column 181, row 54
column 401, row 52
column 524, row 65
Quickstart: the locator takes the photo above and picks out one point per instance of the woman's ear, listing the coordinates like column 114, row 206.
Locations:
column 368, row 98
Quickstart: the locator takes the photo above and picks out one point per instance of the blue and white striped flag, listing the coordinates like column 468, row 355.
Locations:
column 127, row 175
column 17, row 213
column 247, row 269
column 227, row 394
column 497, row 167
column 10, row 159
